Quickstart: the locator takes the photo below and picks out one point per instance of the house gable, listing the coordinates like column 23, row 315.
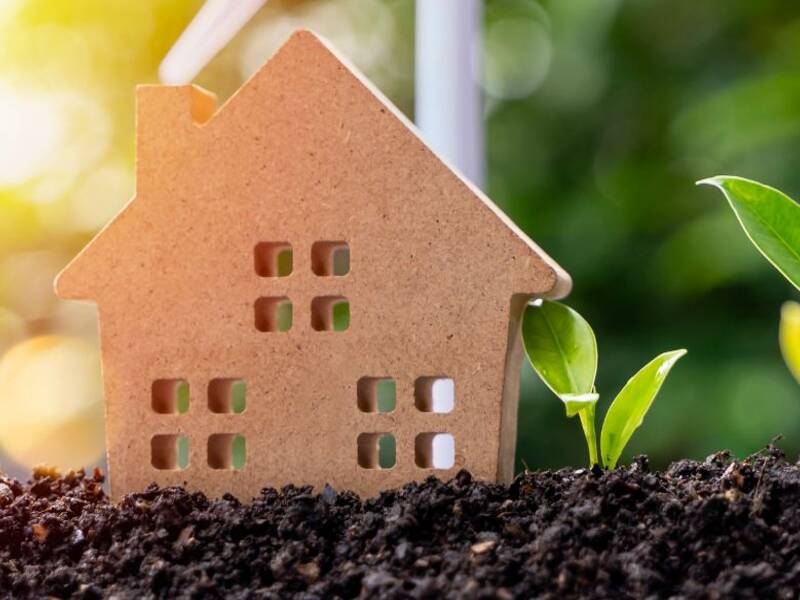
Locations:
column 176, row 122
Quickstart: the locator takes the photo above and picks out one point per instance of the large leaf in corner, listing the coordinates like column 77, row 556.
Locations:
column 631, row 405
column 770, row 219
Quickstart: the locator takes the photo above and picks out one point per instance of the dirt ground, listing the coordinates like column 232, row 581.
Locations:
column 721, row 528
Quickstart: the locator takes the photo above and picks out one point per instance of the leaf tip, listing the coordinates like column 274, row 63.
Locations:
column 718, row 181
column 677, row 354
column 723, row 182
column 706, row 181
column 673, row 357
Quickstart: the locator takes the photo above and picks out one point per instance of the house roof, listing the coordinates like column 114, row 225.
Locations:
column 193, row 109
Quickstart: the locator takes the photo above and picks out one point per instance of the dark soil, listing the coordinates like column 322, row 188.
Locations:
column 717, row 529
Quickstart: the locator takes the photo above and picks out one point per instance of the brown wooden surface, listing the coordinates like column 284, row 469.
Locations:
column 307, row 151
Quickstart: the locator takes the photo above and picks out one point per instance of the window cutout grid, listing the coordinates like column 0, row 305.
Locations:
column 170, row 396
column 227, row 396
column 273, row 259
column 169, row 452
column 377, row 451
column 273, row 314
column 435, row 394
column 376, row 394
column 330, row 259
column 330, row 313
column 435, row 451
column 227, row 451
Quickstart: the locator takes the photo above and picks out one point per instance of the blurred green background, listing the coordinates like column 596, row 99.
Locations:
column 600, row 116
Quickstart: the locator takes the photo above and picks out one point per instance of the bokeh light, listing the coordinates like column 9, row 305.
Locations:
column 51, row 400
column 26, row 283
column 98, row 196
column 517, row 58
column 31, row 134
column 8, row 8
column 360, row 29
column 12, row 329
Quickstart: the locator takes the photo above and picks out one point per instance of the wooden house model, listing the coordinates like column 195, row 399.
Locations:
column 298, row 279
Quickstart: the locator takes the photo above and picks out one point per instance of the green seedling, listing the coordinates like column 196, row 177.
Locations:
column 771, row 221
column 562, row 349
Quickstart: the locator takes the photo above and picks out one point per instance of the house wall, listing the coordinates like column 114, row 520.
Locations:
column 302, row 420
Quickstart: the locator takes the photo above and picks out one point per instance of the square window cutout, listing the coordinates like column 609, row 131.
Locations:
column 227, row 451
column 377, row 451
column 376, row 394
column 435, row 394
column 330, row 259
column 169, row 452
column 435, row 451
column 273, row 314
column 273, row 259
column 330, row 313
column 170, row 396
column 227, row 396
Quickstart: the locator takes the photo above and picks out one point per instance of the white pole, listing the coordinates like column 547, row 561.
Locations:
column 448, row 107
column 209, row 32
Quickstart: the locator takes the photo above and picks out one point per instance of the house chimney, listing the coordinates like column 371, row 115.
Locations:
column 174, row 102
column 166, row 116
column 163, row 109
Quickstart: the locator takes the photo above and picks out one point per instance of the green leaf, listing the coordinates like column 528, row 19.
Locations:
column 562, row 349
column 790, row 337
column 627, row 411
column 770, row 219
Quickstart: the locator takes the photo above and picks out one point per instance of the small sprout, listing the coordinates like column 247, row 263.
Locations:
column 562, row 349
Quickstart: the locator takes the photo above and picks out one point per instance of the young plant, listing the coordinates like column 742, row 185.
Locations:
column 772, row 222
column 562, row 349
